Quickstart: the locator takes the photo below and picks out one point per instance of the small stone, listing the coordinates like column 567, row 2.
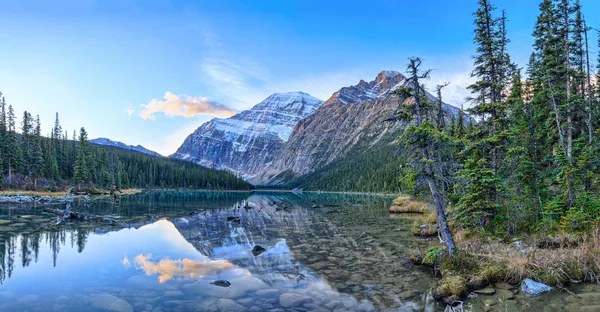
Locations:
column 265, row 292
column 110, row 302
column 288, row 300
column 504, row 286
column 228, row 305
column 485, row 291
column 173, row 293
column 348, row 303
column 533, row 288
column 257, row 250
column 506, row 294
column 221, row 283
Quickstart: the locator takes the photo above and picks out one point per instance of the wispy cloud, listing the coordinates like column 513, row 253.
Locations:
column 184, row 105
column 241, row 81
column 130, row 111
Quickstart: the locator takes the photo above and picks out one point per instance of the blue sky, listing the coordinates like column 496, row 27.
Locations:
column 150, row 72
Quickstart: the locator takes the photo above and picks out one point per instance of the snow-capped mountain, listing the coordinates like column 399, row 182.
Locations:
column 136, row 148
column 247, row 142
column 354, row 116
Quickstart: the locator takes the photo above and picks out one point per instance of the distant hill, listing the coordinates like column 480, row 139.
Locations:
column 137, row 148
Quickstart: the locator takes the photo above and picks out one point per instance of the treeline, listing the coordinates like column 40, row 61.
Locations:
column 532, row 162
column 371, row 169
column 31, row 161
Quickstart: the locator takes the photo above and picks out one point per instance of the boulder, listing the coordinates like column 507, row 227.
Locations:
column 533, row 288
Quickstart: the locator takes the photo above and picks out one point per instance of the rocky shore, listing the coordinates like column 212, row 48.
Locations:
column 24, row 199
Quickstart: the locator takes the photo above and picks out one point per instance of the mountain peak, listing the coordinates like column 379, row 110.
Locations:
column 296, row 101
column 387, row 74
column 385, row 81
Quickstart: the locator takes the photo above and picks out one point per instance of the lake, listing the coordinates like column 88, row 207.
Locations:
column 322, row 252
column 193, row 251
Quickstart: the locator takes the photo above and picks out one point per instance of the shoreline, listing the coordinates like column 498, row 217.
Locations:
column 24, row 197
column 494, row 267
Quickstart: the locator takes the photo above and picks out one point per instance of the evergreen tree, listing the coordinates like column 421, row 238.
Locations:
column 460, row 125
column 26, row 142
column 452, row 129
column 423, row 144
column 81, row 170
column 490, row 65
column 37, row 155
column 3, row 138
column 14, row 158
column 441, row 123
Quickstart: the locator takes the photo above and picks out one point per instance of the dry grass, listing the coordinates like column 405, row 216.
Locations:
column 32, row 193
column 130, row 191
column 406, row 204
column 431, row 217
column 572, row 262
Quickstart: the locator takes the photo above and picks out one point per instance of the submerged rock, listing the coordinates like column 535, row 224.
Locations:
column 226, row 305
column 233, row 219
column 485, row 291
column 289, row 300
column 257, row 250
column 533, row 288
column 221, row 283
column 110, row 302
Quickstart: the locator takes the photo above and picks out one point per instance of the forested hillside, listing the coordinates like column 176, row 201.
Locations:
column 31, row 161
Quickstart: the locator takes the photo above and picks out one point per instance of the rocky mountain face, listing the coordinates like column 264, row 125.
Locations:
column 136, row 148
column 247, row 142
column 352, row 116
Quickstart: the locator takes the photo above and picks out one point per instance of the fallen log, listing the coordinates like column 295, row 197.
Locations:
column 69, row 215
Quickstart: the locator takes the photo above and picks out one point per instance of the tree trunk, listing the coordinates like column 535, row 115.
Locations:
column 588, row 89
column 561, row 136
column 568, row 81
column 441, row 212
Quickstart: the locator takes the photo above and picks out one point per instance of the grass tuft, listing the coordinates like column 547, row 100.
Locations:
column 406, row 204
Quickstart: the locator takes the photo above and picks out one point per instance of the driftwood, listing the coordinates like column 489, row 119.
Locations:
column 69, row 215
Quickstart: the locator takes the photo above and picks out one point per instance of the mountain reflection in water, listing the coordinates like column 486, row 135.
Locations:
column 333, row 257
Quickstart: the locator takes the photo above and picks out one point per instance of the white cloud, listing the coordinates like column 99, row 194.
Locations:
column 236, row 83
column 130, row 111
column 184, row 105
column 457, row 72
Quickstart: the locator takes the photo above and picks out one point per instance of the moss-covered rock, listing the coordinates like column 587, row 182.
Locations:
column 452, row 285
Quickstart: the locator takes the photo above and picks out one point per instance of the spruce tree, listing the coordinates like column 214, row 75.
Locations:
column 3, row 138
column 26, row 142
column 441, row 123
column 81, row 171
column 14, row 158
column 491, row 63
column 460, row 125
column 37, row 155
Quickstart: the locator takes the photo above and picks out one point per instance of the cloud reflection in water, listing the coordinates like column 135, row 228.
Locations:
column 182, row 268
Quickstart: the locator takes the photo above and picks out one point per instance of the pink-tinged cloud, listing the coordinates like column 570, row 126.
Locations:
column 184, row 105
column 183, row 268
